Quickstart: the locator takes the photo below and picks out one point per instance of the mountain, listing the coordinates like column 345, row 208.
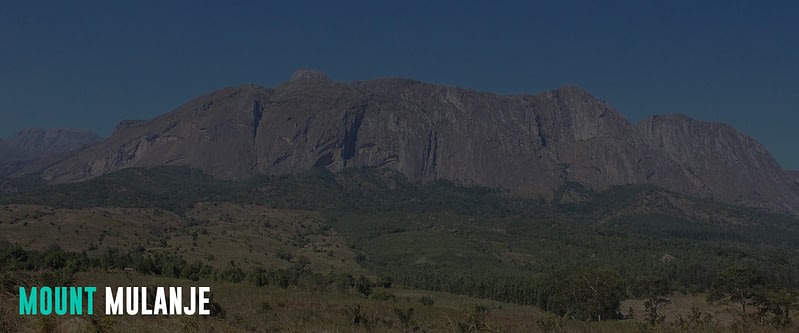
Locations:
column 794, row 176
column 40, row 142
column 36, row 148
column 563, row 141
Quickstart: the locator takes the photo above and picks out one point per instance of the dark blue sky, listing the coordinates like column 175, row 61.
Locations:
column 90, row 64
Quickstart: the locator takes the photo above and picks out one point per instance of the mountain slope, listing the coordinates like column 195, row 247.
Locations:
column 536, row 144
column 794, row 175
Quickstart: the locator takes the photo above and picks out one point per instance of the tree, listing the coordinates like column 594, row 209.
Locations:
column 737, row 284
column 385, row 281
column 405, row 318
column 363, row 285
column 588, row 295
column 654, row 290
column 775, row 301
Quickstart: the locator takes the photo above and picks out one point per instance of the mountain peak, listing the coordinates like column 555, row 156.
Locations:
column 39, row 142
column 572, row 89
column 575, row 95
column 27, row 138
column 308, row 74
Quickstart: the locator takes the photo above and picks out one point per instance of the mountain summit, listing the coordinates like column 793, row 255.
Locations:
column 535, row 144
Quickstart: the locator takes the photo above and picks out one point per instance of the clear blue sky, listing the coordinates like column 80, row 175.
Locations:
column 90, row 64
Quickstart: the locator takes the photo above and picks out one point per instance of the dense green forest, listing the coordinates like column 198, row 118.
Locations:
column 575, row 259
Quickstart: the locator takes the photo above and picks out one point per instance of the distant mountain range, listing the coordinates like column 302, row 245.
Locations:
column 563, row 142
column 29, row 145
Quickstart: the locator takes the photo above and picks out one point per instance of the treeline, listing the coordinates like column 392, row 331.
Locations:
column 583, row 294
column 56, row 267
column 376, row 191
column 354, row 190
column 596, row 293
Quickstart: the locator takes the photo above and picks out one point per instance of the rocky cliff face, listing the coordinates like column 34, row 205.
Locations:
column 794, row 177
column 718, row 161
column 525, row 143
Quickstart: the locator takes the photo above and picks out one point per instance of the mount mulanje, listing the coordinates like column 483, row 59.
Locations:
column 529, row 144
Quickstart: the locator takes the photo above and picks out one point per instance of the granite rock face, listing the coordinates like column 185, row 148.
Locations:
column 794, row 179
column 533, row 144
column 719, row 162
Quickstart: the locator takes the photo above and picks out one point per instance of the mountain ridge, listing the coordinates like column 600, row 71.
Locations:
column 532, row 144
